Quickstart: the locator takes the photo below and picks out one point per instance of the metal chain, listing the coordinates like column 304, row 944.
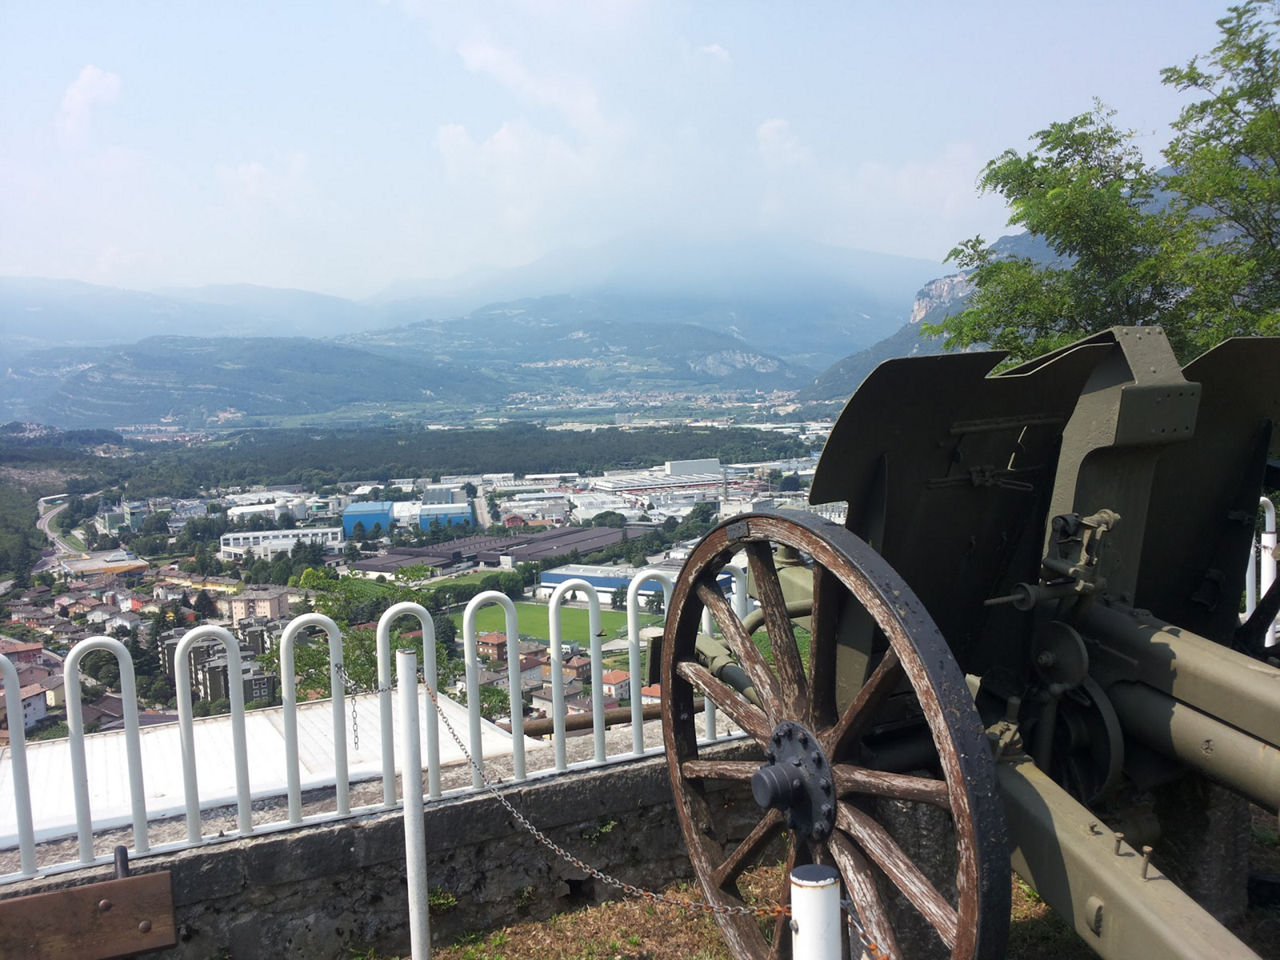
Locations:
column 774, row 910
column 350, row 688
column 631, row 890
column 856, row 929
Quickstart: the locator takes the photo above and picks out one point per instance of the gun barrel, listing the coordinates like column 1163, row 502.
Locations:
column 1220, row 752
column 1132, row 645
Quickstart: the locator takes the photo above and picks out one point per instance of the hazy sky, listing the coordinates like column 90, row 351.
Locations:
column 340, row 146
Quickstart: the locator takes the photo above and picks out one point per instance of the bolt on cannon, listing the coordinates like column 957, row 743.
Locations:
column 1026, row 634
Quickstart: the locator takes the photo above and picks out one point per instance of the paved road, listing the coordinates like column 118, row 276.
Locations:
column 59, row 545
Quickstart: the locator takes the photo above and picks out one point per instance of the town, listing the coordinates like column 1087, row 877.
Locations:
column 148, row 571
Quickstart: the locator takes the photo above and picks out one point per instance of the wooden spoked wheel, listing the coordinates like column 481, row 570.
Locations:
column 815, row 790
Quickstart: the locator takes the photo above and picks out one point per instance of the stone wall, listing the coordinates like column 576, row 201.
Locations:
column 320, row 892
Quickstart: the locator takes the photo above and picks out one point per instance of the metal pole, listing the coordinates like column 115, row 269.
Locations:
column 633, row 653
column 18, row 753
column 1267, row 556
column 710, row 727
column 815, row 912
column 415, row 850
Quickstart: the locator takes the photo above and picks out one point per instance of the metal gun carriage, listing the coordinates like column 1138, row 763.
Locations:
column 1027, row 628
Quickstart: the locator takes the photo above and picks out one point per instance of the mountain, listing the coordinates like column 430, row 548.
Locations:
column 790, row 299
column 193, row 381
column 275, row 312
column 523, row 350
column 854, row 296
column 570, row 341
column 36, row 312
column 643, row 314
column 935, row 301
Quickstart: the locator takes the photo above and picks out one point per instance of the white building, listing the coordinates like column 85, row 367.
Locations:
column 275, row 511
column 268, row 543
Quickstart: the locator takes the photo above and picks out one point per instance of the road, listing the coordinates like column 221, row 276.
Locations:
column 59, row 545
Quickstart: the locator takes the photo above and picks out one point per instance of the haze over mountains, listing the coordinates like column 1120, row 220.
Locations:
column 637, row 315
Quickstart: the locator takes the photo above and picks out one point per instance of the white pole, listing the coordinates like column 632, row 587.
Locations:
column 415, row 850
column 392, row 614
column 18, row 753
column 633, row 652
column 1267, row 557
column 708, row 708
column 815, row 912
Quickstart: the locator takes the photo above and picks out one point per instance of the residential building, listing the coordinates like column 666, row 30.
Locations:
column 616, row 684
column 269, row 602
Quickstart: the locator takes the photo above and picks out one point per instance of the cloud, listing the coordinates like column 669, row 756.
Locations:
column 716, row 53
column 253, row 183
column 94, row 86
column 779, row 147
column 572, row 98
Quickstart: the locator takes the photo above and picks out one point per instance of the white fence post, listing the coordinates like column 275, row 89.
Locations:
column 390, row 616
column 289, row 699
column 633, row 640
column 415, row 850
column 18, row 754
column 186, row 728
column 1267, row 560
column 815, row 912
column 515, row 695
column 557, row 677
column 75, row 738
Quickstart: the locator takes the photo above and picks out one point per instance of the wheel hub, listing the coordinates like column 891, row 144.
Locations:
column 796, row 779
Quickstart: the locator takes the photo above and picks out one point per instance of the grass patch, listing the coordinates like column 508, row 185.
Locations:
column 532, row 620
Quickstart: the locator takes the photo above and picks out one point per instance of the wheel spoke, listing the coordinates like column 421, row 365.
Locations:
column 900, row 870
column 745, row 714
column 782, row 638
column 781, row 948
column 857, row 716
column 744, row 854
column 880, row 783
column 740, row 642
column 742, row 770
column 827, row 594
column 860, row 881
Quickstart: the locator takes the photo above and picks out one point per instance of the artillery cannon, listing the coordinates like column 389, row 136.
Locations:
column 1028, row 624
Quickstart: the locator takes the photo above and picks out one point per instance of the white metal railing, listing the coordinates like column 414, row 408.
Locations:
column 28, row 828
column 1261, row 571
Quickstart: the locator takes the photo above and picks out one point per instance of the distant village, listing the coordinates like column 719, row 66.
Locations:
column 463, row 532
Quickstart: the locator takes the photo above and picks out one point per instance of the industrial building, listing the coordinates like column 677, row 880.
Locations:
column 608, row 579
column 267, row 543
column 383, row 513
column 604, row 579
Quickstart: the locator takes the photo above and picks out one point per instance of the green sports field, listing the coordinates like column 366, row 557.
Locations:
column 532, row 621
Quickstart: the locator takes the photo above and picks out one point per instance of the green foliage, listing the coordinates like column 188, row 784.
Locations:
column 1192, row 248
column 440, row 900
column 350, row 601
column 494, row 703
column 20, row 541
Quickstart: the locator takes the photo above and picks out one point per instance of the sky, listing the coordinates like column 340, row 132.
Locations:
column 342, row 146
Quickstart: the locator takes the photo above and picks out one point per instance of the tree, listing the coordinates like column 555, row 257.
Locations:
column 789, row 483
column 446, row 629
column 1192, row 247
column 1225, row 156
column 609, row 518
column 205, row 607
